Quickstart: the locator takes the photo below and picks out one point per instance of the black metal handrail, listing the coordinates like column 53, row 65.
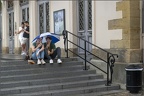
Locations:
column 110, row 57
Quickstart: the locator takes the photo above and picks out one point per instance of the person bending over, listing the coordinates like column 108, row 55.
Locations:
column 38, row 51
column 51, row 51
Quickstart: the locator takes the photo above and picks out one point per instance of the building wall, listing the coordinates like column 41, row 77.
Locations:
column 118, row 29
column 105, row 11
column 114, row 25
column 5, row 35
column 69, row 17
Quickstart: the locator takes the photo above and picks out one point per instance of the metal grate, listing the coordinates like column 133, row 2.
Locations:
column 27, row 14
column 81, row 15
column 47, row 17
column 10, row 3
column 23, row 2
column 41, row 18
column 89, row 14
column 10, row 25
column 23, row 14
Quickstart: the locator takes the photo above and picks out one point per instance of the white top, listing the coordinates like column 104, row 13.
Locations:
column 21, row 34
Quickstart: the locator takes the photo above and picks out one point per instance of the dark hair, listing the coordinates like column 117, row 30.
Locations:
column 48, row 37
column 22, row 23
column 26, row 22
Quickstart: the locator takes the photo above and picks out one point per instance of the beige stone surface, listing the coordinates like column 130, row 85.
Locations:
column 130, row 25
column 135, row 34
column 17, row 50
column 135, row 44
column 115, row 24
column 5, row 50
column 124, row 55
column 120, row 44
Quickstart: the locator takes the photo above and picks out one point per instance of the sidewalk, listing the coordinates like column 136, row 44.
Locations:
column 11, row 57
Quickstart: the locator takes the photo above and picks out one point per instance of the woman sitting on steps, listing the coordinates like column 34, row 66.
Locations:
column 38, row 52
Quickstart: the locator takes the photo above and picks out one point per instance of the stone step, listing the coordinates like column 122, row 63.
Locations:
column 29, row 66
column 44, row 75
column 50, row 80
column 41, row 70
column 18, row 78
column 36, row 88
column 16, row 62
column 106, row 93
column 68, row 92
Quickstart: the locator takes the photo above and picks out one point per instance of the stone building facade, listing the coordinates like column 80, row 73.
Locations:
column 116, row 26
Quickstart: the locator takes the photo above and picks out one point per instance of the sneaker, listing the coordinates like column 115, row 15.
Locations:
column 59, row 61
column 42, row 61
column 51, row 61
column 23, row 53
column 38, row 62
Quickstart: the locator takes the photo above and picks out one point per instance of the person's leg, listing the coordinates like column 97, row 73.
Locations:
column 46, row 55
column 27, row 46
column 42, row 57
column 34, row 56
column 21, row 42
column 38, row 57
column 25, row 40
column 57, row 52
column 22, row 46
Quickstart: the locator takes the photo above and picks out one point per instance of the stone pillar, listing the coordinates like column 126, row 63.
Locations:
column 17, row 47
column 5, row 35
column 129, row 47
column 33, row 21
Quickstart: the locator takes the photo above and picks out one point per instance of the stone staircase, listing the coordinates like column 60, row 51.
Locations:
column 18, row 78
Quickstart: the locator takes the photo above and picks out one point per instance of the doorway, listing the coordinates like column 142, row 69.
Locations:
column 0, row 33
column 84, row 25
column 25, row 13
column 11, row 32
column 43, row 17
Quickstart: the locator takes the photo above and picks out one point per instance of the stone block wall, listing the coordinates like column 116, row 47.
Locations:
column 129, row 45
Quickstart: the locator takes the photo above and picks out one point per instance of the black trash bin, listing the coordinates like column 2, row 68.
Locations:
column 134, row 78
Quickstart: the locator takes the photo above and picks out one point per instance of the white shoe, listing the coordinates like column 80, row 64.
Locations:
column 51, row 61
column 38, row 62
column 23, row 53
column 42, row 61
column 59, row 61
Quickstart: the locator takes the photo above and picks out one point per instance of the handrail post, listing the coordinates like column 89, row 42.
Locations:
column 107, row 70
column 85, row 55
column 67, row 42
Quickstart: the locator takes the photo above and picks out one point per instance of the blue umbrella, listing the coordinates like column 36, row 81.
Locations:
column 55, row 38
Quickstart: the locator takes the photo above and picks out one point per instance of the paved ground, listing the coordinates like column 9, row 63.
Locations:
column 11, row 57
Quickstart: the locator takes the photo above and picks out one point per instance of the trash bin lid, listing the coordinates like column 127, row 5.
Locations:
column 133, row 68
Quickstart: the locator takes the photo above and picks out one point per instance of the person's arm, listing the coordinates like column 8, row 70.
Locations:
column 42, row 48
column 26, row 31
column 18, row 32
column 53, row 48
column 35, row 48
column 52, row 51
